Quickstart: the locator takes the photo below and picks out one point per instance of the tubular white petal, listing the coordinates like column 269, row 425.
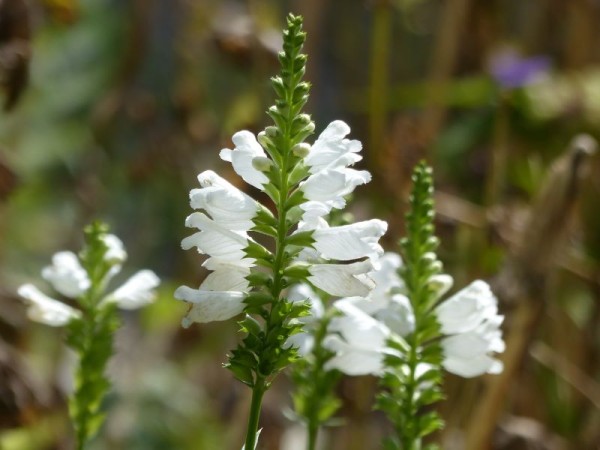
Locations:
column 227, row 277
column 358, row 328
column 472, row 367
column 116, row 253
column 331, row 185
column 342, row 280
column 353, row 241
column 332, row 150
column 467, row 309
column 136, row 292
column 44, row 309
column 209, row 306
column 224, row 202
column 386, row 278
column 66, row 275
column 398, row 315
column 213, row 239
column 352, row 360
column 246, row 149
column 440, row 284
column 312, row 218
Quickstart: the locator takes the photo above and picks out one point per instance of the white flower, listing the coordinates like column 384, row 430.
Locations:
column 384, row 302
column 66, row 275
column 467, row 309
column 210, row 306
column 225, row 203
column 342, row 280
column 329, row 186
column 312, row 218
column 329, row 156
column 348, row 242
column 116, row 253
column 136, row 292
column 468, row 354
column 44, row 309
column 246, row 149
column 332, row 150
column 397, row 315
column 214, row 239
column 358, row 341
column 70, row 279
column 221, row 294
column 471, row 320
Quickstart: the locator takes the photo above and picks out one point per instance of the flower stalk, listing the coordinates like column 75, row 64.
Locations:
column 91, row 326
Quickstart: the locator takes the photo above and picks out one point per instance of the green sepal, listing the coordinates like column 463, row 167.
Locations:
column 264, row 229
column 257, row 251
column 429, row 422
column 257, row 278
column 297, row 271
column 250, row 325
column 300, row 239
column 297, row 198
column 255, row 299
column 299, row 172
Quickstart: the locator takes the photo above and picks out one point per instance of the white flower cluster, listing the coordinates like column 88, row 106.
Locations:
column 358, row 333
column 227, row 215
column 69, row 278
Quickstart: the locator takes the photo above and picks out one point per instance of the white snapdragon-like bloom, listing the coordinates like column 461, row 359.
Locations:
column 241, row 158
column 116, row 253
column 44, row 309
column 221, row 294
column 225, row 203
column 328, row 162
column 385, row 302
column 66, row 275
column 330, row 186
column 342, row 280
column 353, row 241
column 136, row 292
column 69, row 278
column 215, row 239
column 332, row 149
column 357, row 340
column 471, row 322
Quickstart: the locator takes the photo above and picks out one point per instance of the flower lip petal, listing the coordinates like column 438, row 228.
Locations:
column 136, row 292
column 210, row 306
column 66, row 275
column 246, row 149
column 44, row 309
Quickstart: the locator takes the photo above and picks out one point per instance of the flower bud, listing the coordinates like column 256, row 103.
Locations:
column 264, row 140
column 440, row 284
column 271, row 131
column 261, row 163
column 305, row 118
column 301, row 150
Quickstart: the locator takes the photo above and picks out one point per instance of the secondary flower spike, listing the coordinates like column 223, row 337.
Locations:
column 68, row 277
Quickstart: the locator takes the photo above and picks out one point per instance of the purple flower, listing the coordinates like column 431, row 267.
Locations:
column 511, row 70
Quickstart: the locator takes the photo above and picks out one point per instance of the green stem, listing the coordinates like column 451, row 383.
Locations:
column 313, row 431
column 257, row 395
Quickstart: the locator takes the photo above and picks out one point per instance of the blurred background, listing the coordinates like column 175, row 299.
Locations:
column 111, row 108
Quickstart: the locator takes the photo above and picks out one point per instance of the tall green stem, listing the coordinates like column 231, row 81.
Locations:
column 257, row 395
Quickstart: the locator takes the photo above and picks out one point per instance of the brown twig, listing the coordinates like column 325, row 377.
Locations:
column 523, row 281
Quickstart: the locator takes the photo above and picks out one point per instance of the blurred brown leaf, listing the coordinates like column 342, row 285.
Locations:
column 15, row 34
